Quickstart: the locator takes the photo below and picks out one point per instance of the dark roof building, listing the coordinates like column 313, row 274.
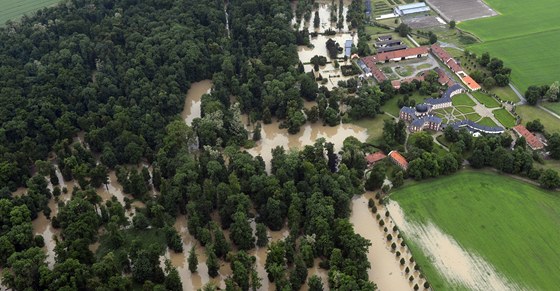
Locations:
column 391, row 48
column 348, row 48
column 390, row 42
column 385, row 37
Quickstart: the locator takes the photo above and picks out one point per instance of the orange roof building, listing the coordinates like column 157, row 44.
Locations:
column 534, row 142
column 374, row 158
column 398, row 159
column 470, row 83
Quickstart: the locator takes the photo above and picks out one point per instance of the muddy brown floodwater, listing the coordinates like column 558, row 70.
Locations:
column 272, row 136
column 386, row 270
column 191, row 109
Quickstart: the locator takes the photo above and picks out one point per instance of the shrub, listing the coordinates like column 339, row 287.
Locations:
column 393, row 246
column 417, row 267
column 377, row 196
column 398, row 254
column 385, row 229
column 386, row 213
column 416, row 287
column 371, row 203
column 402, row 261
column 374, row 209
column 411, row 260
column 381, row 222
column 378, row 216
column 389, row 237
column 395, row 228
column 426, row 285
column 402, row 243
column 407, row 270
column 411, row 278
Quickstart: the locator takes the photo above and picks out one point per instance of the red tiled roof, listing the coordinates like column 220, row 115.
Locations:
column 401, row 53
column 399, row 159
column 442, row 54
column 454, row 66
column 377, row 74
column 472, row 84
column 375, row 157
column 442, row 76
column 446, row 58
column 531, row 139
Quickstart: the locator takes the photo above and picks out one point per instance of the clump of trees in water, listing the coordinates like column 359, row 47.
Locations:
column 117, row 72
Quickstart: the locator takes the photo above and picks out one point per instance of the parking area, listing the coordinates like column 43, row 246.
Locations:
column 461, row 10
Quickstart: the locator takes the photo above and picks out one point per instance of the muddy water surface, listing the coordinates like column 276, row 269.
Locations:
column 386, row 270
column 272, row 137
column 191, row 109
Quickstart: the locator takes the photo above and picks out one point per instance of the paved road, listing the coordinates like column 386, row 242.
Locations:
column 521, row 97
column 547, row 110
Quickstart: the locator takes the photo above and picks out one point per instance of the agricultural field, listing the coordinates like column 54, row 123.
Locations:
column 525, row 36
column 530, row 113
column 486, row 100
column 504, row 117
column 14, row 9
column 504, row 232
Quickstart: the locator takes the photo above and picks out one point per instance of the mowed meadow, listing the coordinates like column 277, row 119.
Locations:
column 511, row 224
column 14, row 9
column 525, row 35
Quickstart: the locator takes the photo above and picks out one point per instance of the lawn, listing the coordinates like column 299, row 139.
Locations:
column 530, row 113
column 391, row 105
column 525, row 36
column 473, row 116
column 374, row 127
column 552, row 106
column 464, row 109
column 14, row 9
column 505, row 118
column 462, row 99
column 487, row 121
column 510, row 224
column 487, row 100
column 505, row 93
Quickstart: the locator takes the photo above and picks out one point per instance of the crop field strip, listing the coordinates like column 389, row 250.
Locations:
column 525, row 36
column 509, row 223
column 14, row 9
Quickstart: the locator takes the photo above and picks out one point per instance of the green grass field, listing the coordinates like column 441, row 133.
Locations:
column 525, row 35
column 391, row 105
column 552, row 106
column 511, row 224
column 504, row 117
column 487, row 121
column 14, row 9
column 505, row 93
column 473, row 116
column 462, row 99
column 486, row 100
column 374, row 127
column 465, row 109
column 530, row 113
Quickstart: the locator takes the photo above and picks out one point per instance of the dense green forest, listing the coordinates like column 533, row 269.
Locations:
column 118, row 71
